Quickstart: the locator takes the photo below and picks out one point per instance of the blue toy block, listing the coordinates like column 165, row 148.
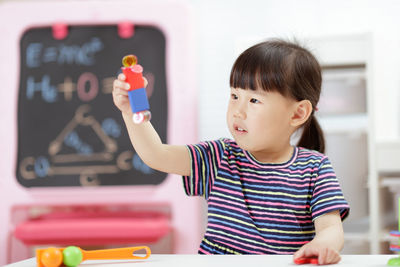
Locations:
column 138, row 100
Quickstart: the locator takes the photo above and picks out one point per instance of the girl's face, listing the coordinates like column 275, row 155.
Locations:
column 259, row 121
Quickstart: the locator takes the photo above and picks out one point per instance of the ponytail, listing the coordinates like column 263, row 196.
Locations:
column 312, row 136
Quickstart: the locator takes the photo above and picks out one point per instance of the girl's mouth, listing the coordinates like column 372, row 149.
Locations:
column 239, row 129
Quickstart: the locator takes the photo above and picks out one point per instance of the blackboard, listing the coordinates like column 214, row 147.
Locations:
column 69, row 131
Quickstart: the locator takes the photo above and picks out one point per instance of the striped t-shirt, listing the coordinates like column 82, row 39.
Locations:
column 259, row 208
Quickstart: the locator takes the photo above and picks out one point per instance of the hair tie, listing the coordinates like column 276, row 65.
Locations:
column 316, row 108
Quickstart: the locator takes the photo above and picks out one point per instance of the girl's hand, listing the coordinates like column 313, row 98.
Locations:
column 325, row 254
column 120, row 94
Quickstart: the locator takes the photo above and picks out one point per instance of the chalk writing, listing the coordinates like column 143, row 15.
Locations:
column 48, row 91
column 87, row 93
column 139, row 165
column 41, row 166
column 111, row 127
column 73, row 140
column 87, row 88
column 37, row 54
column 69, row 131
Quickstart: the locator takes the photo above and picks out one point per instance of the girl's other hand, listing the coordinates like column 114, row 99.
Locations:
column 325, row 254
column 120, row 94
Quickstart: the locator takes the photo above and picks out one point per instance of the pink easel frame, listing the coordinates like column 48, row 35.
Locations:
column 173, row 19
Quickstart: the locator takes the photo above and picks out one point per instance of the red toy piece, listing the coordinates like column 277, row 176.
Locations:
column 306, row 260
column 137, row 92
column 134, row 77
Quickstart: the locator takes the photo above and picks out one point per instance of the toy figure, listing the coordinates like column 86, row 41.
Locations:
column 137, row 92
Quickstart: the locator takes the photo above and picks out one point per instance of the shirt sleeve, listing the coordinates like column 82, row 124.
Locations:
column 327, row 195
column 205, row 160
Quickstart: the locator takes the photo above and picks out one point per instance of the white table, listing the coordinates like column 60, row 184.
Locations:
column 160, row 260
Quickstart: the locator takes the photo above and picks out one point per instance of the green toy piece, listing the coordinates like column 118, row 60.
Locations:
column 394, row 261
column 72, row 256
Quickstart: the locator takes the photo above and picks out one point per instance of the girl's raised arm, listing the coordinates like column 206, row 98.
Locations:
column 163, row 157
column 145, row 139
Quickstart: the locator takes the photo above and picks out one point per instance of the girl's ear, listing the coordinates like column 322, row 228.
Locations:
column 301, row 113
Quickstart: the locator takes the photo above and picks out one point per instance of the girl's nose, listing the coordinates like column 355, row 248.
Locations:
column 239, row 112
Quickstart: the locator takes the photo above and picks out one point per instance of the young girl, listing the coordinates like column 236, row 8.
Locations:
column 264, row 195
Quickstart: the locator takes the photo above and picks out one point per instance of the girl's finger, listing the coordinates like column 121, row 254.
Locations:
column 338, row 258
column 333, row 257
column 120, row 84
column 322, row 257
column 329, row 256
column 122, row 99
column 126, row 86
column 121, row 77
column 119, row 91
column 311, row 251
column 299, row 253
column 145, row 82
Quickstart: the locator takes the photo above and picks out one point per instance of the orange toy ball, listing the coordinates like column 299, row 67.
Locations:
column 52, row 257
column 129, row 60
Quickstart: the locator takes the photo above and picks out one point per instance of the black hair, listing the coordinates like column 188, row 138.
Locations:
column 287, row 68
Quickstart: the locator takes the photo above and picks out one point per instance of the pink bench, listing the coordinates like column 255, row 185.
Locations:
column 94, row 228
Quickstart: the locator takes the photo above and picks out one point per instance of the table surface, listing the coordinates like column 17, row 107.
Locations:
column 161, row 260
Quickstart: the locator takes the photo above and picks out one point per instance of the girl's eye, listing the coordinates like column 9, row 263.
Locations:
column 233, row 96
column 255, row 101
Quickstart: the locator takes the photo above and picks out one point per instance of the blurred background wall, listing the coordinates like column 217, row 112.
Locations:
column 223, row 28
